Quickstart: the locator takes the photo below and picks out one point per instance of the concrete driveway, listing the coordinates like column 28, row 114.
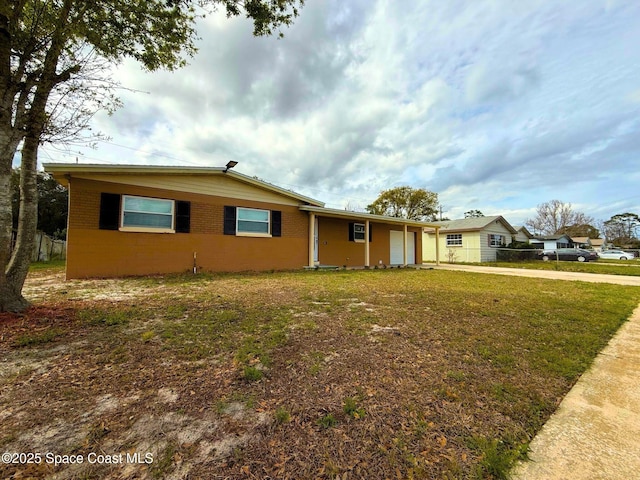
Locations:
column 551, row 274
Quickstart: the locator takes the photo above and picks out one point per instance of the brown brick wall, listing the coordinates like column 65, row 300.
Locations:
column 102, row 253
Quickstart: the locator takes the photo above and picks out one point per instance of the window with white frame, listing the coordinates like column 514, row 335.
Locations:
column 147, row 213
column 252, row 221
column 496, row 240
column 358, row 232
column 454, row 240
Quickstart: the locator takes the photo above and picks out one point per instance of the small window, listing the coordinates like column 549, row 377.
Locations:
column 454, row 240
column 142, row 213
column 496, row 240
column 358, row 232
column 252, row 221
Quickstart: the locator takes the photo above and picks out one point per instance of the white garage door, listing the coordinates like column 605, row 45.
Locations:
column 396, row 248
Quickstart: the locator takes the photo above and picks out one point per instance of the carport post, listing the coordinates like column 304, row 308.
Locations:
column 437, row 245
column 312, row 234
column 366, row 244
column 404, row 245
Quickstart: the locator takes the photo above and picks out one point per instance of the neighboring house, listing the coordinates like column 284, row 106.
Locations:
column 522, row 234
column 582, row 242
column 551, row 242
column 472, row 239
column 598, row 244
column 139, row 220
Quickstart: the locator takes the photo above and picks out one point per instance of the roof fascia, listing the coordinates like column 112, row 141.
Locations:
column 62, row 171
column 346, row 214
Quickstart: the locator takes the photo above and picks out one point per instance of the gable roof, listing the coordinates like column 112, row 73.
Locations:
column 581, row 239
column 522, row 229
column 62, row 172
column 472, row 224
column 551, row 237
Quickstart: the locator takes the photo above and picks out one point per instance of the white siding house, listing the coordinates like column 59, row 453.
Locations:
column 468, row 240
column 522, row 235
column 551, row 242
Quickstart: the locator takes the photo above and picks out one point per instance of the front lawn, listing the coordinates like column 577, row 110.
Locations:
column 350, row 374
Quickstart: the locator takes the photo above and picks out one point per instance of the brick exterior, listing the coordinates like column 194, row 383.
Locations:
column 92, row 252
column 103, row 253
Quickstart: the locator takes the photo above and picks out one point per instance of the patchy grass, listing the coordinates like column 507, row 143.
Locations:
column 50, row 265
column 358, row 374
column 31, row 339
column 606, row 267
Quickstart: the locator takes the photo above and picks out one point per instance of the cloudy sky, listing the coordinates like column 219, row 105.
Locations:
column 496, row 105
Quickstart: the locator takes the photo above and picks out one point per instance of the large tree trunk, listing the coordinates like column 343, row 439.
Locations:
column 18, row 267
column 11, row 300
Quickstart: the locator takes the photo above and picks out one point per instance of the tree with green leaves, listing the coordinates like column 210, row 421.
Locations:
column 473, row 214
column 406, row 202
column 582, row 230
column 622, row 229
column 53, row 204
column 55, row 57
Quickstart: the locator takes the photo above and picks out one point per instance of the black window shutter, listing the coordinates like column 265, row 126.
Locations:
column 183, row 216
column 351, row 239
column 370, row 234
column 229, row 220
column 276, row 223
column 109, row 211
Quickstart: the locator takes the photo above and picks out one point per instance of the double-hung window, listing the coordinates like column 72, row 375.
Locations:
column 252, row 221
column 454, row 240
column 358, row 232
column 496, row 240
column 143, row 213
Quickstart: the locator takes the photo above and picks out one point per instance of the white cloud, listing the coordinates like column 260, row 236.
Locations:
column 496, row 105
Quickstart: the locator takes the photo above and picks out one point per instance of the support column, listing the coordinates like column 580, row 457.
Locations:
column 404, row 245
column 437, row 245
column 312, row 235
column 366, row 244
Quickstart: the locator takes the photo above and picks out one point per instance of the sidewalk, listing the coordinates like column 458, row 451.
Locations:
column 595, row 433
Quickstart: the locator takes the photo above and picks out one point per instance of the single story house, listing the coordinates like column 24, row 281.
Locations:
column 140, row 220
column 551, row 242
column 582, row 242
column 598, row 244
column 522, row 234
column 589, row 243
column 473, row 239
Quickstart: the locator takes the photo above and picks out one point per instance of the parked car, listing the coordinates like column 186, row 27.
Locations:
column 616, row 255
column 570, row 254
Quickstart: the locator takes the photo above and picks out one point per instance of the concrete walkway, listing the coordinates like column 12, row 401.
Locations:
column 595, row 433
column 551, row 274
